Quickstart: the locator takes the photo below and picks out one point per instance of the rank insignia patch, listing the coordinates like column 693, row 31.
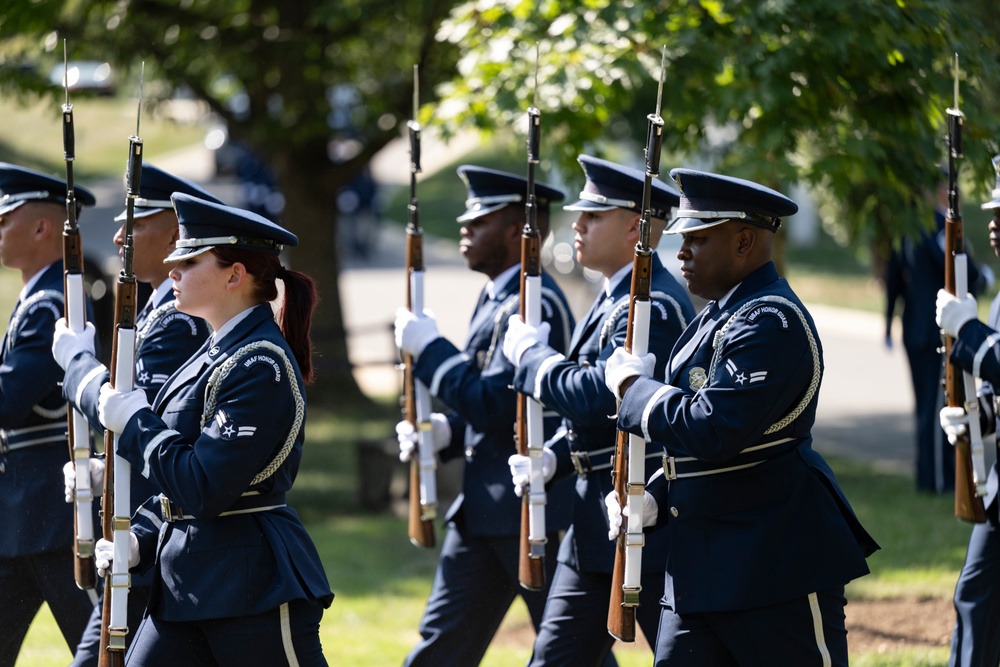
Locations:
column 744, row 377
column 228, row 429
column 697, row 378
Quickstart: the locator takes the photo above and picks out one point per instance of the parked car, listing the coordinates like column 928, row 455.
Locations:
column 85, row 75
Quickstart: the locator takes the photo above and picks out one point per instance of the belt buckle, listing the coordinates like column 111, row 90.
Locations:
column 165, row 509
column 4, row 442
column 669, row 467
column 581, row 461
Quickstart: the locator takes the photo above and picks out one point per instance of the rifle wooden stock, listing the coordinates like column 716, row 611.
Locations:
column 110, row 655
column 77, row 427
column 419, row 527
column 531, row 567
column 968, row 505
column 621, row 616
column 422, row 508
column 629, row 464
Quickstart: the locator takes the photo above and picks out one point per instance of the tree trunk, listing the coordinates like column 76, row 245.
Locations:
column 311, row 213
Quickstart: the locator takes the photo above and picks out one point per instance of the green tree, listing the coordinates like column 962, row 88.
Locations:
column 846, row 95
column 282, row 61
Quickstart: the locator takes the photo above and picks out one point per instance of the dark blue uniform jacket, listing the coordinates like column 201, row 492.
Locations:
column 233, row 449
column 746, row 379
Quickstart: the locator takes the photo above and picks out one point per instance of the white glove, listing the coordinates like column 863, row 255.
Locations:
column 409, row 439
column 622, row 365
column 650, row 510
column 520, row 469
column 521, row 336
column 104, row 553
column 953, row 312
column 954, row 422
column 69, row 477
column 414, row 333
column 115, row 408
column 66, row 343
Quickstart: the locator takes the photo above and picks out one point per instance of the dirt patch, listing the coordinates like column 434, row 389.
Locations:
column 873, row 626
column 880, row 626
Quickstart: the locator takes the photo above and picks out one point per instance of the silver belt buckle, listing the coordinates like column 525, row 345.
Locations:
column 669, row 467
column 165, row 509
column 581, row 462
column 4, row 442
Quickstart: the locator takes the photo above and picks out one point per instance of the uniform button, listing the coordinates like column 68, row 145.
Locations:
column 674, row 511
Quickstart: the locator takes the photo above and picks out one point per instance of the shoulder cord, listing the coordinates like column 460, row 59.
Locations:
column 54, row 295
column 814, row 348
column 622, row 305
column 506, row 309
column 222, row 371
column 154, row 316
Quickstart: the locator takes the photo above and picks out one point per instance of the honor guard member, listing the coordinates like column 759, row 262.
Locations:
column 222, row 442
column 914, row 274
column 477, row 574
column 762, row 541
column 975, row 641
column 574, row 628
column 36, row 531
column 165, row 339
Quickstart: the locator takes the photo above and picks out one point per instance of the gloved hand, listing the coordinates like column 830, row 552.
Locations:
column 409, row 439
column 66, row 343
column 953, row 312
column 69, row 477
column 521, row 336
column 622, row 365
column 520, row 469
column 115, row 408
column 414, row 333
column 650, row 510
column 954, row 421
column 104, row 553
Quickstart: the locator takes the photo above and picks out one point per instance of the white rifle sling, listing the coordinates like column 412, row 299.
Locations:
column 536, row 434
column 425, row 443
column 636, row 486
column 978, row 451
column 120, row 580
column 76, row 320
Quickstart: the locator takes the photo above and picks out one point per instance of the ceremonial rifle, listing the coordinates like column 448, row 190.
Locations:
column 530, row 435
column 629, row 470
column 75, row 311
column 960, row 388
column 416, row 397
column 118, row 471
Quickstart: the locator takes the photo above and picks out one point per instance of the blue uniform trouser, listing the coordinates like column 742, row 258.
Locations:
column 575, row 626
column 28, row 581
column 87, row 652
column 474, row 586
column 935, row 455
column 976, row 640
column 287, row 635
column 803, row 632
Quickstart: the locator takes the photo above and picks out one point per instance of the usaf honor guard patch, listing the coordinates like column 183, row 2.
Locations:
column 228, row 430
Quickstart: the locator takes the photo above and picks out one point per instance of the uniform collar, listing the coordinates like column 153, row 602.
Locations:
column 497, row 285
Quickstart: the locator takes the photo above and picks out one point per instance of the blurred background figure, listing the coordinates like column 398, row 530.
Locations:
column 914, row 274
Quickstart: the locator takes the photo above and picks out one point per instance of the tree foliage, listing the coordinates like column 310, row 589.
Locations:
column 847, row 96
column 272, row 71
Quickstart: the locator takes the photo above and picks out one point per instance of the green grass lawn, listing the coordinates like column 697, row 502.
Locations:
column 382, row 581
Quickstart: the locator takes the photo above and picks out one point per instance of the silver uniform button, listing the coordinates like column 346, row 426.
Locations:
column 674, row 511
